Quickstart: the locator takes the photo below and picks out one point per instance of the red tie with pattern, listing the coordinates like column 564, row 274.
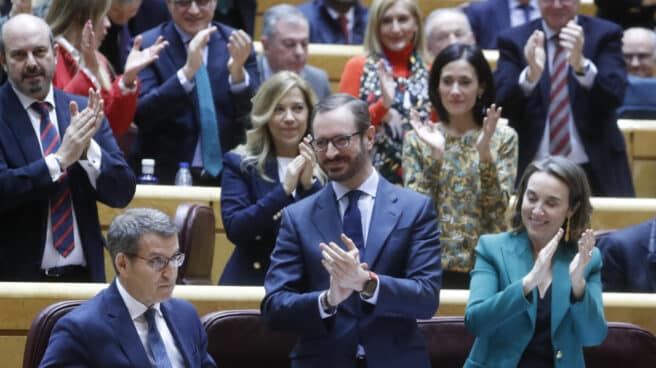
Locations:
column 559, row 109
column 344, row 23
column 61, row 210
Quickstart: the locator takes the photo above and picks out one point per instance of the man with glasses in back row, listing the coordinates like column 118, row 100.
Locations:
column 356, row 264
column 134, row 322
column 639, row 49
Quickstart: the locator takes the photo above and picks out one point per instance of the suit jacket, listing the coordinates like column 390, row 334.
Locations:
column 593, row 110
column 627, row 13
column 151, row 13
column 325, row 29
column 503, row 320
column 402, row 247
column 630, row 258
column 168, row 117
column 25, row 184
column 640, row 99
column 241, row 15
column 100, row 333
column 316, row 78
column 487, row 20
column 250, row 210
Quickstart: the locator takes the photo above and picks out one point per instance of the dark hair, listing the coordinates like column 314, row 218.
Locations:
column 474, row 56
column 357, row 107
column 579, row 193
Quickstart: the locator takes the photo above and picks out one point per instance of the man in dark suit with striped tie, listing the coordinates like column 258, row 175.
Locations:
column 57, row 158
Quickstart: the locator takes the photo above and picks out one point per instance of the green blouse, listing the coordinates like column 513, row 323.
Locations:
column 471, row 197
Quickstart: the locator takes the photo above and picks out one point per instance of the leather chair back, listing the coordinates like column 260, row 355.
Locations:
column 39, row 333
column 196, row 224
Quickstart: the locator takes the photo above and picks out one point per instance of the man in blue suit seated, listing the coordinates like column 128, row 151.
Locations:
column 195, row 98
column 58, row 158
column 629, row 257
column 358, row 262
column 639, row 49
column 491, row 17
column 134, row 322
column 336, row 21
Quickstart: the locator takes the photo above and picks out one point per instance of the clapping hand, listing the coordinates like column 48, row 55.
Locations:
column 535, row 55
column 347, row 274
column 572, row 40
column 83, row 126
column 489, row 126
column 428, row 132
column 88, row 48
column 138, row 59
column 387, row 83
column 239, row 47
column 580, row 262
column 540, row 274
column 196, row 51
column 307, row 171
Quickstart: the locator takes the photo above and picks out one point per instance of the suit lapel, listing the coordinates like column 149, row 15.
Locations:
column 386, row 214
column 174, row 326
column 518, row 259
column 63, row 112
column 123, row 326
column 560, row 286
column 20, row 125
column 325, row 217
column 503, row 14
column 262, row 186
column 176, row 50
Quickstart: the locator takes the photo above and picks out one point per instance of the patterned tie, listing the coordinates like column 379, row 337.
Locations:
column 352, row 223
column 344, row 23
column 209, row 130
column 61, row 209
column 559, row 109
column 157, row 349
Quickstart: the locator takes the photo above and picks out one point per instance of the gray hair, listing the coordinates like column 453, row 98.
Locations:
column 126, row 230
column 277, row 13
column 357, row 107
column 637, row 31
column 450, row 13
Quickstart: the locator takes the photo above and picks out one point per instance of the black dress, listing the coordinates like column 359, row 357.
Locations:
column 539, row 352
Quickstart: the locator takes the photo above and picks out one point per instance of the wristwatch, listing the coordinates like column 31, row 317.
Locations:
column 370, row 286
column 586, row 67
column 327, row 308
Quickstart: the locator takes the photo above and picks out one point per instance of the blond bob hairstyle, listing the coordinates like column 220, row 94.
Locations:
column 66, row 14
column 259, row 145
column 372, row 45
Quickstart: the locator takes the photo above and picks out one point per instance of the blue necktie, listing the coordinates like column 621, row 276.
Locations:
column 61, row 208
column 157, row 349
column 352, row 223
column 209, row 130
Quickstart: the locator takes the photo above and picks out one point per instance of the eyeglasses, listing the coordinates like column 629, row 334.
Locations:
column 184, row 4
column 158, row 263
column 339, row 142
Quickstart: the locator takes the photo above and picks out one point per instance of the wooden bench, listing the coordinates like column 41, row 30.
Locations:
column 640, row 138
column 426, row 6
column 21, row 302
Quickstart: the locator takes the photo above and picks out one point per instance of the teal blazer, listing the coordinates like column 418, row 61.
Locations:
column 503, row 320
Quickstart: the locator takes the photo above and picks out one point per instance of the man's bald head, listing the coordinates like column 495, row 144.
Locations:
column 445, row 27
column 639, row 49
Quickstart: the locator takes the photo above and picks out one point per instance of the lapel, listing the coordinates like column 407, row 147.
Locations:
column 518, row 259
column 174, row 326
column 176, row 50
column 20, row 125
column 124, row 331
column 386, row 214
column 560, row 285
column 62, row 111
column 545, row 80
column 502, row 14
column 325, row 217
column 261, row 185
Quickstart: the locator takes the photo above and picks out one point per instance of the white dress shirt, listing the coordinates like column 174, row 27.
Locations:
column 517, row 17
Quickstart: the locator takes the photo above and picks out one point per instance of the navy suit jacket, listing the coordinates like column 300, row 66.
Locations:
column 503, row 319
column 640, row 99
column 100, row 333
column 630, row 258
column 325, row 29
column 487, row 19
column 593, row 110
column 25, row 184
column 168, row 116
column 402, row 247
column 250, row 209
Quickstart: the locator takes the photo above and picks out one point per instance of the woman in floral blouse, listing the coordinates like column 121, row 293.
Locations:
column 467, row 162
column 391, row 77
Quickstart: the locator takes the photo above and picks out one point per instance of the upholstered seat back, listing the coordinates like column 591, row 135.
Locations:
column 196, row 225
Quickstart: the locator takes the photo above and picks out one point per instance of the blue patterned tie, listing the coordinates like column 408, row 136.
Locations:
column 209, row 130
column 157, row 349
column 352, row 223
column 61, row 209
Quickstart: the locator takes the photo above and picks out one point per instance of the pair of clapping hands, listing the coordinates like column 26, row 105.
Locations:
column 571, row 38
column 83, row 126
column 301, row 168
column 347, row 274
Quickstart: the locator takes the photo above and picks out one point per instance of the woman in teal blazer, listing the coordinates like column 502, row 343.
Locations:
column 535, row 292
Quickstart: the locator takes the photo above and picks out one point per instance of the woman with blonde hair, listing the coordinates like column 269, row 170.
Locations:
column 275, row 168
column 391, row 77
column 79, row 27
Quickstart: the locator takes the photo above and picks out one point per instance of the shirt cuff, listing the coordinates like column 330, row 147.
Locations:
column 589, row 73
column 526, row 86
column 92, row 163
column 241, row 86
column 53, row 167
column 186, row 83
column 322, row 313
column 125, row 90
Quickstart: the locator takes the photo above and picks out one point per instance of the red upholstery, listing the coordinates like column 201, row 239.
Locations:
column 196, row 236
column 39, row 333
column 625, row 346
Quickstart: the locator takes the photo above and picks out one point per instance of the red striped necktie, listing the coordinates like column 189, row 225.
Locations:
column 559, row 108
column 61, row 209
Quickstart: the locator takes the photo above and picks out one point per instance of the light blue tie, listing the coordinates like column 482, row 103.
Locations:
column 209, row 130
column 157, row 349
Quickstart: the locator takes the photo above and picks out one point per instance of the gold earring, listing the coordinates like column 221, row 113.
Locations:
column 567, row 229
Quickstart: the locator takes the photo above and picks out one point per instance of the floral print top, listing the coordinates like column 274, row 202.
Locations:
column 471, row 197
